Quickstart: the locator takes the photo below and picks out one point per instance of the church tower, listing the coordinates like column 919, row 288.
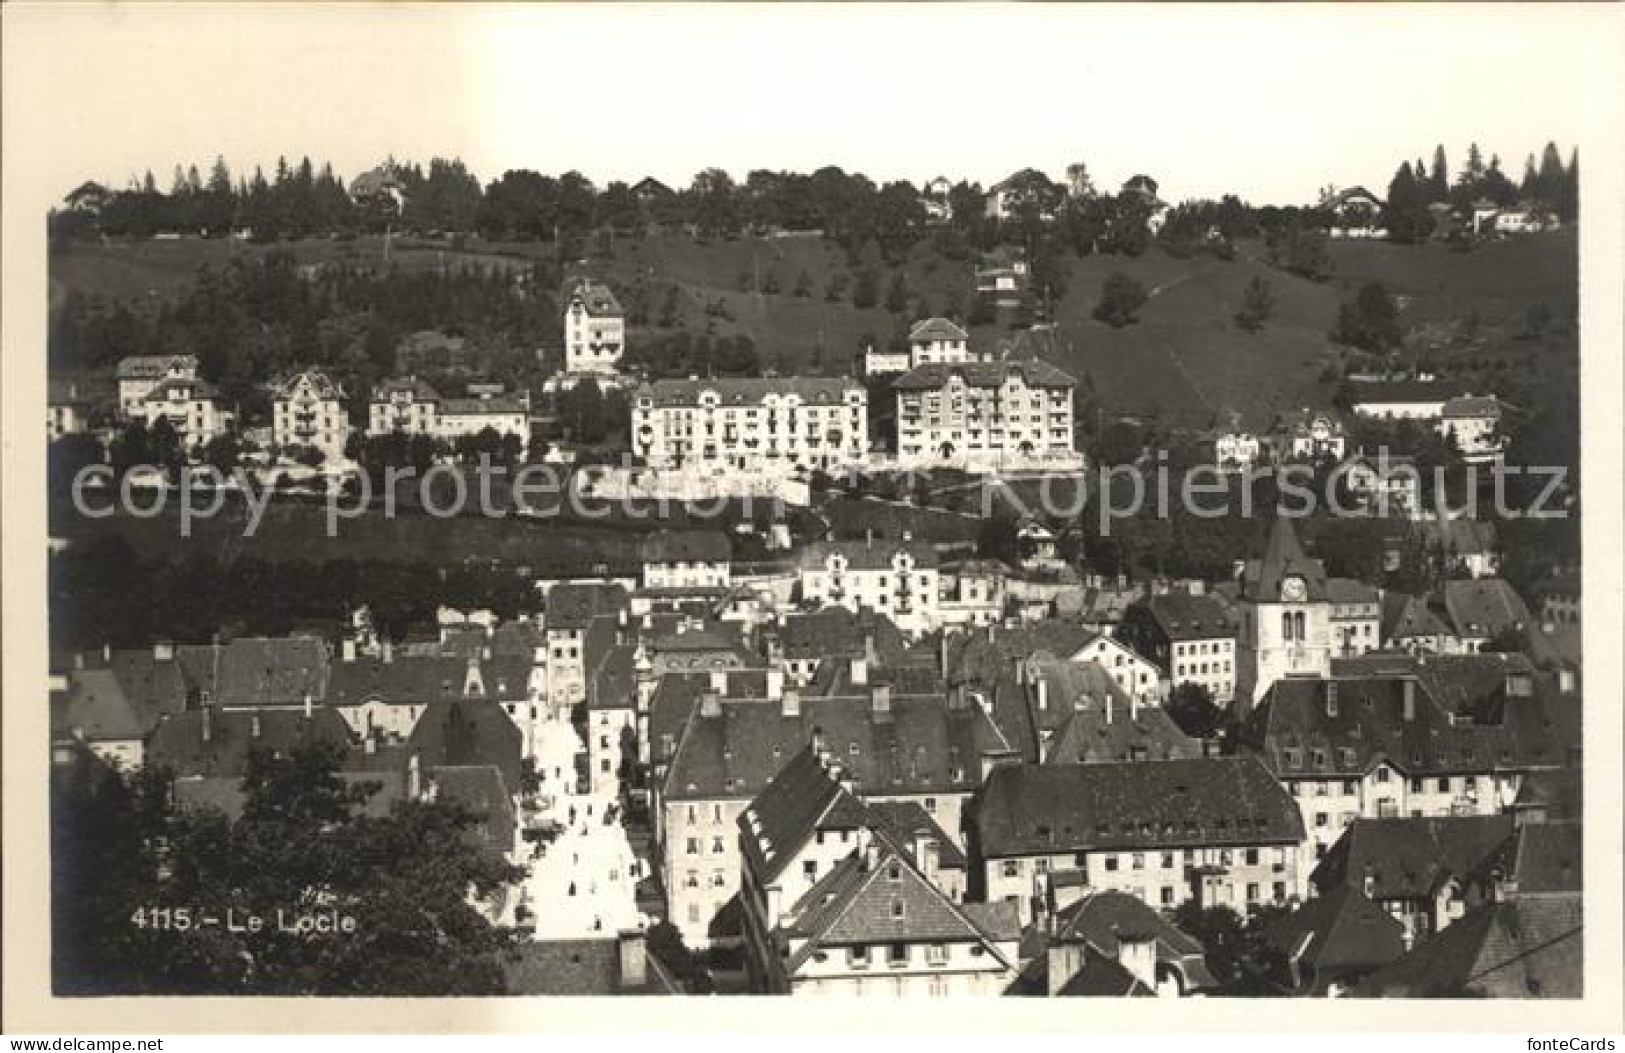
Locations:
column 1286, row 617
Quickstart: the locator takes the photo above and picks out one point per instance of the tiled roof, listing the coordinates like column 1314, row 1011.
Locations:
column 1053, row 808
column 1472, row 406
column 421, row 679
column 686, row 546
column 578, row 967
column 1399, row 391
column 1300, row 734
column 877, row 554
column 1411, row 857
column 1338, row 933
column 1182, row 616
column 1034, row 372
column 1560, row 792
column 803, row 798
column 1406, row 617
column 461, row 734
column 482, row 790
column 837, row 632
column 512, row 403
column 258, row 671
column 1103, row 917
column 1542, row 858
column 96, row 709
column 937, row 329
column 418, row 389
column 1520, row 948
column 1103, row 977
column 1349, row 591
column 573, row 605
column 1459, row 537
column 985, row 657
column 923, row 745
column 1073, row 725
column 154, row 367
column 750, row 391
column 179, row 743
column 1484, row 606
column 906, row 823
column 597, row 298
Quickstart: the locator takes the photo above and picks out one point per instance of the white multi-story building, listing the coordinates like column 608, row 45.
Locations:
column 194, row 407
column 984, row 414
column 138, row 375
column 937, row 340
column 1473, row 422
column 765, row 425
column 594, row 329
column 896, row 578
column 67, row 410
column 1305, row 435
column 308, row 411
column 411, row 406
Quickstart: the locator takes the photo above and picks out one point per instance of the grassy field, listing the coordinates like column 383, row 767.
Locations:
column 1185, row 357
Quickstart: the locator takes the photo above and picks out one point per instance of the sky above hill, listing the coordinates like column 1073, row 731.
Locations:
column 1268, row 103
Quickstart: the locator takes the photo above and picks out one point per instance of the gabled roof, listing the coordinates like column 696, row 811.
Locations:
column 1472, row 406
column 1407, row 617
column 1081, row 716
column 1519, row 948
column 1411, row 857
column 1559, row 792
column 482, row 790
column 1104, row 918
column 578, row 967
column 419, row 390
column 686, row 546
column 836, row 632
column 258, row 670
column 596, row 298
column 802, row 799
column 936, row 329
column 1484, row 606
column 985, row 657
column 468, row 733
column 906, row 823
column 1182, row 616
column 1051, row 808
column 1338, row 933
column 179, row 742
column 96, row 709
column 924, row 744
column 321, row 385
column 1034, row 372
column 171, row 388
column 1541, row 858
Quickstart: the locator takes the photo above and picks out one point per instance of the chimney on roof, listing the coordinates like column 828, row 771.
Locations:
column 633, row 957
column 1198, row 587
column 107, row 652
column 775, row 684
column 869, row 537
column 956, row 697
column 1331, row 698
column 163, row 651
column 1368, row 884
column 389, row 652
column 791, row 702
column 869, row 646
column 1108, row 707
column 308, row 705
column 1042, row 683
column 347, row 649
column 1410, row 699
column 860, row 672
column 369, row 745
column 208, row 723
column 880, row 697
column 1565, row 679
column 254, row 726
column 711, row 704
column 942, row 655
column 414, row 777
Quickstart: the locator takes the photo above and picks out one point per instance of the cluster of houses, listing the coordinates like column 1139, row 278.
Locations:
column 1358, row 213
column 873, row 771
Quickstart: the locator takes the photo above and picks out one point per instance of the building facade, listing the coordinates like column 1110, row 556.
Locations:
column 773, row 425
column 308, row 412
column 899, row 579
column 594, row 329
column 984, row 414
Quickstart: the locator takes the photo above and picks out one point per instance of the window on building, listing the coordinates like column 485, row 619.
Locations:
column 1321, row 819
column 1011, row 868
column 717, row 847
column 1251, row 857
column 1139, row 861
column 693, row 846
column 858, row 956
column 1167, row 861
column 809, row 870
column 1111, row 863
column 897, row 953
column 1252, row 892
column 936, row 954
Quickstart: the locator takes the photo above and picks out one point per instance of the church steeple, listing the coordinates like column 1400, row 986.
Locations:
column 1284, row 558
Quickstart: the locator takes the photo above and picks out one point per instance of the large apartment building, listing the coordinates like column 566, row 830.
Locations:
column 138, row 375
column 193, row 406
column 983, row 413
column 770, row 425
column 896, row 578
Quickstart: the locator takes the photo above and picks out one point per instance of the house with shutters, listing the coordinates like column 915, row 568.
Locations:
column 594, row 329
column 1390, row 736
column 683, row 560
column 1216, row 831
column 718, row 740
column 839, row 898
column 308, row 412
column 1190, row 638
column 895, row 578
column 139, row 375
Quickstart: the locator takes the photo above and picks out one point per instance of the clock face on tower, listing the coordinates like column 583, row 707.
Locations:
column 1293, row 589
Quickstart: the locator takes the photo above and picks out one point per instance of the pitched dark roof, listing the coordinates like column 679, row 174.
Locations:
column 923, row 745
column 1182, row 616
column 1034, row 372
column 1407, row 617
column 749, row 391
column 986, row 657
column 1410, row 857
column 1541, row 858
column 1519, row 948
column 574, row 604
column 686, row 546
column 421, row 679
column 597, row 298
column 1337, row 934
column 877, row 554
column 154, row 367
column 578, row 967
column 258, row 671
column 179, row 742
column 906, row 823
column 1032, row 809
column 1559, row 792
column 1103, row 918
column 468, row 733
column 482, row 790
column 936, row 329
column 837, row 632
column 1484, row 606
column 1103, row 977
column 803, row 798
column 321, row 385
